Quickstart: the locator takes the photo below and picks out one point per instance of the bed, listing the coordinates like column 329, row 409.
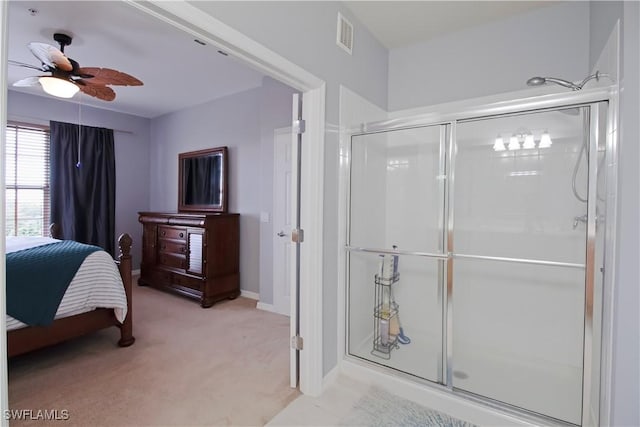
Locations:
column 98, row 283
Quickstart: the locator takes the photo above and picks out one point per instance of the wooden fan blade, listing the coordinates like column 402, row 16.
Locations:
column 107, row 76
column 101, row 92
column 50, row 56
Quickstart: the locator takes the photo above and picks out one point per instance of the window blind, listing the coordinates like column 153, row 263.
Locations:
column 27, row 180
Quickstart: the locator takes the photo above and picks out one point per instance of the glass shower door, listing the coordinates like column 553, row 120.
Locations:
column 397, row 200
column 519, row 251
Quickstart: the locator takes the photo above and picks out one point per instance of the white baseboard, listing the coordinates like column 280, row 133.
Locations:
column 260, row 305
column 331, row 377
column 266, row 307
column 249, row 294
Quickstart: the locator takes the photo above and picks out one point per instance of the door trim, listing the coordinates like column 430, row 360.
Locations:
column 4, row 385
column 311, row 256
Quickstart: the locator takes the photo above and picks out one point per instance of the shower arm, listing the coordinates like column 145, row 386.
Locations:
column 596, row 76
column 565, row 83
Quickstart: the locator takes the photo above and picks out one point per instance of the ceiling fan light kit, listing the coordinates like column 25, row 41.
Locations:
column 67, row 77
column 58, row 87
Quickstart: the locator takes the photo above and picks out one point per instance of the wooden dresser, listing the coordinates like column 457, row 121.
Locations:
column 194, row 254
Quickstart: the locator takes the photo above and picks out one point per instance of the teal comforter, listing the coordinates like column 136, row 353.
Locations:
column 38, row 277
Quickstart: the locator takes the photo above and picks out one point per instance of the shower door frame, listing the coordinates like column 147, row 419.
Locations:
column 448, row 120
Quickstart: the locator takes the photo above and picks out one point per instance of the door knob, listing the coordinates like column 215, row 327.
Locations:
column 281, row 234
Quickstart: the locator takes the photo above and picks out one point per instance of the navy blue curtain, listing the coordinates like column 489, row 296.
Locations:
column 83, row 183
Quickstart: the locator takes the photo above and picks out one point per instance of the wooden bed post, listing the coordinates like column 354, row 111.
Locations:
column 55, row 231
column 124, row 265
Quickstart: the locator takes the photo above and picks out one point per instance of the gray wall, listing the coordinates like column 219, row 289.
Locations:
column 603, row 16
column 626, row 337
column 492, row 58
column 305, row 33
column 234, row 122
column 626, row 379
column 241, row 122
column 131, row 146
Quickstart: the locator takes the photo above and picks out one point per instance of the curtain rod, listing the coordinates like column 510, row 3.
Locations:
column 44, row 122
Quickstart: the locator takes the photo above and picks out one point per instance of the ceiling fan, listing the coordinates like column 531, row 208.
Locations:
column 67, row 77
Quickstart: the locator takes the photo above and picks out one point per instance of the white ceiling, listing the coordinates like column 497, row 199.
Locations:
column 179, row 73
column 400, row 23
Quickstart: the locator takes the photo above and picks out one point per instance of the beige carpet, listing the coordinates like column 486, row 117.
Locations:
column 226, row 365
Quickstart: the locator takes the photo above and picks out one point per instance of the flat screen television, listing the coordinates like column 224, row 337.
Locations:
column 202, row 177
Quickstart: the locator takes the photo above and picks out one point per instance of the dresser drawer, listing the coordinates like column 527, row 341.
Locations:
column 172, row 260
column 176, row 233
column 159, row 277
column 172, row 247
column 189, row 282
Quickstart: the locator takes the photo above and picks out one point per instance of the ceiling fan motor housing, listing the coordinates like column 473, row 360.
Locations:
column 63, row 40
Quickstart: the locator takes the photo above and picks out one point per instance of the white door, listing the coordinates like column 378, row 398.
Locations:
column 283, row 248
column 282, row 220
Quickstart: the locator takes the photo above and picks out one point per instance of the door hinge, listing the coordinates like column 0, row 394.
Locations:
column 297, row 342
column 297, row 235
column 299, row 126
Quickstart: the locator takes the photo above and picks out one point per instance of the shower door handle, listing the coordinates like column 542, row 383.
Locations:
column 579, row 219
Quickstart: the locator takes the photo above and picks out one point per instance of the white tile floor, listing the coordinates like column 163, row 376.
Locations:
column 325, row 410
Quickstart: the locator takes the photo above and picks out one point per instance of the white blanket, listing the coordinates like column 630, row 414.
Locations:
column 97, row 283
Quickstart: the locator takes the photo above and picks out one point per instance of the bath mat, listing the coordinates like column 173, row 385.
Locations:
column 379, row 408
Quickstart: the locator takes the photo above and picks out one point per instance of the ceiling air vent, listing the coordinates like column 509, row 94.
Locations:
column 344, row 38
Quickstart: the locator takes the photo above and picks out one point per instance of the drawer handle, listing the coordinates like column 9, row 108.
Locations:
column 163, row 247
column 164, row 233
column 182, row 249
column 181, row 234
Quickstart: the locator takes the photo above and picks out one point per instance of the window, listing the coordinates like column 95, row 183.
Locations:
column 27, row 180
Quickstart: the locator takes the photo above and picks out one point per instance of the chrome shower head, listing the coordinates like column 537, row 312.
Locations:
column 536, row 81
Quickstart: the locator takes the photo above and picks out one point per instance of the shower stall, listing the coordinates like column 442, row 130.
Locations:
column 496, row 217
